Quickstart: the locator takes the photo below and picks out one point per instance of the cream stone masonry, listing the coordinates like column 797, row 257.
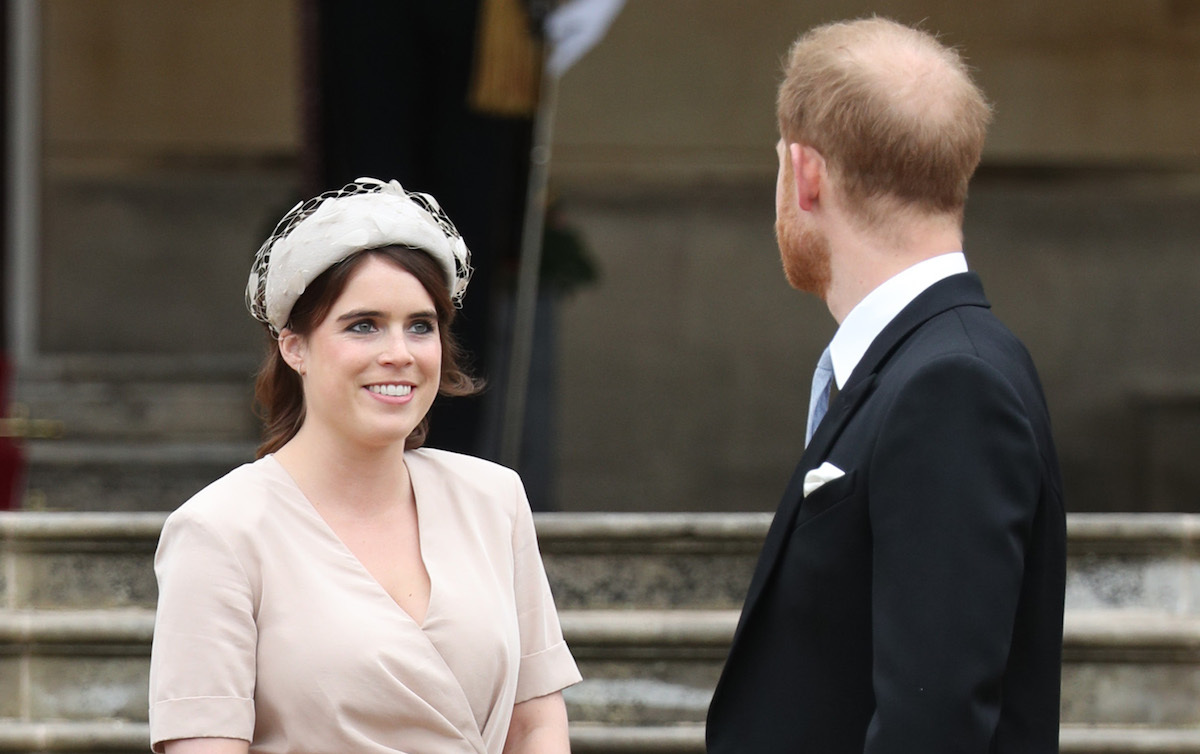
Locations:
column 648, row 602
column 1108, row 81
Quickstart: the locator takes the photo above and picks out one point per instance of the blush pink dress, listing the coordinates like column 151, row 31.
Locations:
column 270, row 630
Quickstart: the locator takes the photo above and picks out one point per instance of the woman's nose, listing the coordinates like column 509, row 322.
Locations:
column 396, row 351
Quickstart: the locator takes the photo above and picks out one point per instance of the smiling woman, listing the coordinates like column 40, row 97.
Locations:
column 351, row 590
column 279, row 390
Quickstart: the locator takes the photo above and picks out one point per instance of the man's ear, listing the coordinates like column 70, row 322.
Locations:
column 808, row 170
column 292, row 348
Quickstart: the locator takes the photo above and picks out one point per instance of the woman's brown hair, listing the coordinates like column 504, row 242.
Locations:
column 278, row 391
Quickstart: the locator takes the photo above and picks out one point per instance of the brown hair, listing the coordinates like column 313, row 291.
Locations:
column 894, row 113
column 278, row 390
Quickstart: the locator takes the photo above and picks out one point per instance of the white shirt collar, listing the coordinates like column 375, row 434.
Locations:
column 868, row 318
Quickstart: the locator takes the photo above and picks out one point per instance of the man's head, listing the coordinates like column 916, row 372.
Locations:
column 893, row 113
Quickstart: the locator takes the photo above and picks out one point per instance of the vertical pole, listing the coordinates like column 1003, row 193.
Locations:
column 23, row 189
column 521, row 350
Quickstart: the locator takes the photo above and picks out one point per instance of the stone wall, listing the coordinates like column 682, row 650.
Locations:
column 680, row 84
column 688, row 87
column 172, row 138
column 698, row 356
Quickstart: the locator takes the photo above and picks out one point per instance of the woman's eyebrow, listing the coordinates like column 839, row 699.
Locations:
column 359, row 314
column 377, row 314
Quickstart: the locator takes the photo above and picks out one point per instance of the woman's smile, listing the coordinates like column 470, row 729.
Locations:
column 395, row 393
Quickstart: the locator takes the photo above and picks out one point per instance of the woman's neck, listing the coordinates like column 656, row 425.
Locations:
column 350, row 479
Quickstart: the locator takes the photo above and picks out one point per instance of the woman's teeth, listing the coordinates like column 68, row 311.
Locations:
column 394, row 390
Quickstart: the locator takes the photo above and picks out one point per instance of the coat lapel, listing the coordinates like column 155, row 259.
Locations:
column 840, row 410
column 957, row 290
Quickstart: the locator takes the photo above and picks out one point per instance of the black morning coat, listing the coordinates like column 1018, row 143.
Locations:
column 914, row 605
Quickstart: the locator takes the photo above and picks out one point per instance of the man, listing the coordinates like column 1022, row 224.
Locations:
column 909, row 596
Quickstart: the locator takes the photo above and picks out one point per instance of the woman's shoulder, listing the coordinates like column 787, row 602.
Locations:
column 461, row 465
column 466, row 480
column 237, row 500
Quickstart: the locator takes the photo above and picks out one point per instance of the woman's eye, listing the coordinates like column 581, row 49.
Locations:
column 363, row 327
column 422, row 327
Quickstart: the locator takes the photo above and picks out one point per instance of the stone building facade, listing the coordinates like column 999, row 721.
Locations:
column 163, row 139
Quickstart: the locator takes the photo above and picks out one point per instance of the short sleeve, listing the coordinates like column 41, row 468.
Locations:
column 202, row 662
column 546, row 662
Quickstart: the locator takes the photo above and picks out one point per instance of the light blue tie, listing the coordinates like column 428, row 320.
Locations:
column 818, row 402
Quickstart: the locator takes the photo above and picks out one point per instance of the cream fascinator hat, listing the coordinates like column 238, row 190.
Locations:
column 366, row 214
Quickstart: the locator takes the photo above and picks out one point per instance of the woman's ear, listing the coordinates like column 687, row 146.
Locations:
column 293, row 348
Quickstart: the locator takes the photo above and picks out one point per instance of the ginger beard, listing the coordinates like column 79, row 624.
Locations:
column 803, row 250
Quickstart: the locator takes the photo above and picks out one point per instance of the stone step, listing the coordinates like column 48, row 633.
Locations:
column 75, row 665
column 641, row 667
column 133, row 434
column 74, row 476
column 1129, row 668
column 1137, row 562
column 589, row 738
column 661, row 560
column 145, row 408
column 661, row 666
column 586, row 738
column 62, row 559
column 78, row 560
column 115, row 736
column 1134, row 561
column 648, row 603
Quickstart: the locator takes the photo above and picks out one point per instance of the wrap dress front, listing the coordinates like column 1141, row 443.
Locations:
column 270, row 630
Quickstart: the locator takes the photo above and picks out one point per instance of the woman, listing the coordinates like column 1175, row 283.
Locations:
column 350, row 591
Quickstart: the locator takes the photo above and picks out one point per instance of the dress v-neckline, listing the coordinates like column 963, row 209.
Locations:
column 422, row 534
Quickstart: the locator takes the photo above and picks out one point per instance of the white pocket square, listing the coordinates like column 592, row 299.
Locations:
column 821, row 475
